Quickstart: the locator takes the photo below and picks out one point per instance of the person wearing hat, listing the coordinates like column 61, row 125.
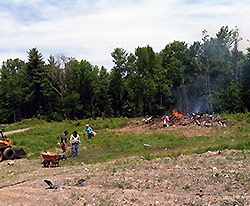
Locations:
column 74, row 142
column 89, row 131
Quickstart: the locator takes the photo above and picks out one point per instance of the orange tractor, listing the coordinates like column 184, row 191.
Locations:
column 6, row 150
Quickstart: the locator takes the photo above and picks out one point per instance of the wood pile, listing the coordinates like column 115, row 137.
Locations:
column 199, row 119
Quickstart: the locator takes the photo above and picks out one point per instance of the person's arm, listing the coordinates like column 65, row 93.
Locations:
column 79, row 139
column 65, row 144
column 70, row 141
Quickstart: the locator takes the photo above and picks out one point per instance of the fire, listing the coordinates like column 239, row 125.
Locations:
column 178, row 115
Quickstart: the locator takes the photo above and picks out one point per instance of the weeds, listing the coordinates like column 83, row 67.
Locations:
column 238, row 201
column 133, row 200
column 186, row 187
column 148, row 157
column 228, row 187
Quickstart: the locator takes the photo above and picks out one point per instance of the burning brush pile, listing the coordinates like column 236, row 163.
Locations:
column 185, row 119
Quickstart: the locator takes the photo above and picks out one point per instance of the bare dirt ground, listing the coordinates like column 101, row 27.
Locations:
column 188, row 131
column 212, row 178
column 16, row 131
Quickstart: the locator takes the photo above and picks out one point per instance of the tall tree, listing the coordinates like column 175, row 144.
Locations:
column 236, row 56
column 36, row 73
column 246, row 80
column 215, row 59
column 103, row 97
column 14, row 91
column 116, row 85
column 56, row 72
column 83, row 83
column 181, row 69
column 145, row 70
column 163, row 87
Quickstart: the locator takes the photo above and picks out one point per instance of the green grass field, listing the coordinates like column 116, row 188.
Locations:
column 110, row 144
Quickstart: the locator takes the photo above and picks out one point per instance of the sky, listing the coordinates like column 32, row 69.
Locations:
column 91, row 29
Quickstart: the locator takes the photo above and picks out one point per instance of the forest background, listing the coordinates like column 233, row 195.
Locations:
column 210, row 75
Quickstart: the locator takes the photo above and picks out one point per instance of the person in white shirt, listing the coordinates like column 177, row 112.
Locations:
column 74, row 143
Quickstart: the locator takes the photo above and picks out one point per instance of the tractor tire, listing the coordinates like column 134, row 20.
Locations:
column 9, row 153
column 1, row 156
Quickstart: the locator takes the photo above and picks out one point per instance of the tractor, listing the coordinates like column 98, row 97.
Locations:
column 6, row 150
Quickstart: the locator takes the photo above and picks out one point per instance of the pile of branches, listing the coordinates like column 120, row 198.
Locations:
column 199, row 119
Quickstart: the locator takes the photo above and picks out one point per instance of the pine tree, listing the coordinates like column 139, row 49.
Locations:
column 36, row 73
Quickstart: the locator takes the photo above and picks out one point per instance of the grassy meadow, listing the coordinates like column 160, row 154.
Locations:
column 110, row 143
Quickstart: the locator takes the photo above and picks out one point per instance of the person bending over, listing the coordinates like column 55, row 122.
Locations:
column 89, row 131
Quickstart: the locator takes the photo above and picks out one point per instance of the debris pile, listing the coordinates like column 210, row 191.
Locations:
column 184, row 119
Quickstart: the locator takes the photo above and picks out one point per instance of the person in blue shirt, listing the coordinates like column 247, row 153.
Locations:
column 89, row 131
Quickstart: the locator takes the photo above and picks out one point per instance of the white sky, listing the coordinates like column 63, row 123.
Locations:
column 91, row 30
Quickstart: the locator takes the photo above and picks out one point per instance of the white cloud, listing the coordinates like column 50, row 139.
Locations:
column 91, row 30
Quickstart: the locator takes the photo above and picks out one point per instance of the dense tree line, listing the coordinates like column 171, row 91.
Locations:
column 208, row 76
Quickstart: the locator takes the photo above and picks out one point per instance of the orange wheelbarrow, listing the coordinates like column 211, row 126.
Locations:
column 51, row 159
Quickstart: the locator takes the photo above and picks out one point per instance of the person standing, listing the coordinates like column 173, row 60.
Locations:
column 165, row 120
column 89, row 131
column 74, row 142
column 64, row 143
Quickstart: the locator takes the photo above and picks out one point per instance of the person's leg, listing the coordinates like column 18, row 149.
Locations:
column 64, row 151
column 62, row 146
column 73, row 150
column 77, row 145
column 89, row 136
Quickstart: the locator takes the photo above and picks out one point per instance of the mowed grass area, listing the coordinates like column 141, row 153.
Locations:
column 110, row 144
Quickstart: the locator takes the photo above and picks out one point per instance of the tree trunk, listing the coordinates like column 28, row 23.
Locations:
column 92, row 106
column 14, row 117
column 149, row 105
column 184, row 92
column 63, row 107
column 235, row 63
column 161, row 98
column 208, row 90
column 117, row 104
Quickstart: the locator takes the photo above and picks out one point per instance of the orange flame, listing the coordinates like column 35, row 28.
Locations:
column 178, row 115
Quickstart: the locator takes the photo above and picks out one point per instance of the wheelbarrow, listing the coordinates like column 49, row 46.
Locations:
column 51, row 159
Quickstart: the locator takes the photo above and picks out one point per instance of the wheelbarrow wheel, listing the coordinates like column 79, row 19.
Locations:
column 45, row 163
column 1, row 156
column 9, row 153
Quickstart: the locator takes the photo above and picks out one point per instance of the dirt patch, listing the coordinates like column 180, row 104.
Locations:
column 212, row 178
column 16, row 131
column 187, row 131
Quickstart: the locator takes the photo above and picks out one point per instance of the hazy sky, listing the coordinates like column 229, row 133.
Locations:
column 92, row 29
